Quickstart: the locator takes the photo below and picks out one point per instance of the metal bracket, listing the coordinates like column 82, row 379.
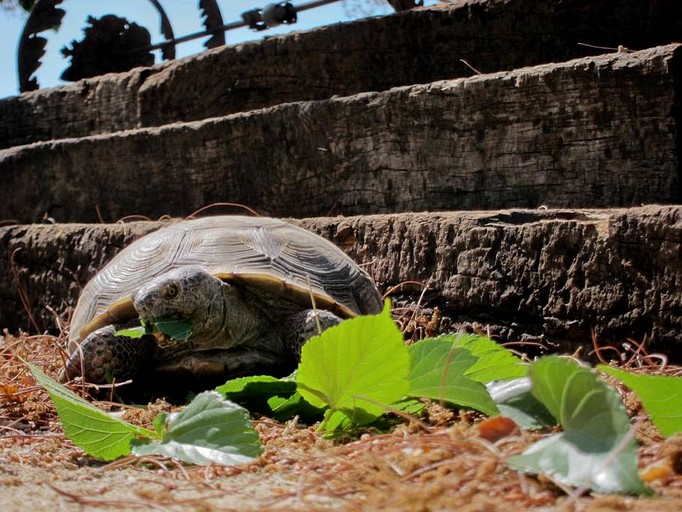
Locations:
column 283, row 13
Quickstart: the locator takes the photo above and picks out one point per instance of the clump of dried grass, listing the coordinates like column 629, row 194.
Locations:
column 24, row 407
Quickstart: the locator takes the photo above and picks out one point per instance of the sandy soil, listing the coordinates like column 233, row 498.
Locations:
column 441, row 462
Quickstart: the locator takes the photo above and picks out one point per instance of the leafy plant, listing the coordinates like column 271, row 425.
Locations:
column 356, row 368
column 438, row 371
column 514, row 400
column 209, row 430
column 494, row 361
column 267, row 395
column 596, row 449
column 443, row 368
column 355, row 372
column 661, row 396
column 90, row 428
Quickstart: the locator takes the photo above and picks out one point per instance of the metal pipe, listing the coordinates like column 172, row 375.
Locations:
column 230, row 26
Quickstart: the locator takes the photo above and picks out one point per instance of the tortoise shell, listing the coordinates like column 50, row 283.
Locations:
column 263, row 253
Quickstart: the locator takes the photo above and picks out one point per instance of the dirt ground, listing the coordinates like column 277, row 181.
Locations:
column 440, row 462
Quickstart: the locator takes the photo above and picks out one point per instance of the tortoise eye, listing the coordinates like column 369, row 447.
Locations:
column 171, row 291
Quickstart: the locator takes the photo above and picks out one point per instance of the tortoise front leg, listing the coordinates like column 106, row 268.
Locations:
column 104, row 357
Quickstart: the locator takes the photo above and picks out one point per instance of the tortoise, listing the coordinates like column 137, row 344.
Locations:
column 251, row 290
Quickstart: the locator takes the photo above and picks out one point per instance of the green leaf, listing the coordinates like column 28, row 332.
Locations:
column 438, row 371
column 90, row 428
column 409, row 406
column 661, row 397
column 175, row 329
column 270, row 396
column 133, row 332
column 257, row 388
column 284, row 409
column 596, row 450
column 515, row 400
column 159, row 424
column 339, row 422
column 209, row 430
column 495, row 362
column 356, row 367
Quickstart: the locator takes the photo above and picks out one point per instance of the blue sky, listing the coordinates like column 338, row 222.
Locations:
column 184, row 17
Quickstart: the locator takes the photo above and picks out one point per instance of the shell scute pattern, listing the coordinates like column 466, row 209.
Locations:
column 245, row 246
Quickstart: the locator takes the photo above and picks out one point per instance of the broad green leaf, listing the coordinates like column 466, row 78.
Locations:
column 175, row 329
column 515, row 400
column 209, row 430
column 284, row 409
column 90, row 428
column 268, row 395
column 258, row 387
column 409, row 406
column 494, row 361
column 596, row 450
column 438, row 371
column 291, row 377
column 133, row 332
column 339, row 422
column 356, row 367
column 159, row 424
column 661, row 397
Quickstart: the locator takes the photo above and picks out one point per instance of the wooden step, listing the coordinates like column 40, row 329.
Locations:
column 595, row 132
column 372, row 54
column 549, row 275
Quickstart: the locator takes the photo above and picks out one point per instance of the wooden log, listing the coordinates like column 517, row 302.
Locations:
column 595, row 132
column 552, row 275
column 372, row 54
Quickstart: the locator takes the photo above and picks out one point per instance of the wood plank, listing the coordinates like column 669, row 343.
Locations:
column 373, row 54
column 594, row 132
column 550, row 275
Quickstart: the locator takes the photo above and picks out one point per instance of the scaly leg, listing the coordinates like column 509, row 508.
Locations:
column 103, row 356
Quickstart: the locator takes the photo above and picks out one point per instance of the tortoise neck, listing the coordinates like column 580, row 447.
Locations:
column 209, row 325
column 247, row 322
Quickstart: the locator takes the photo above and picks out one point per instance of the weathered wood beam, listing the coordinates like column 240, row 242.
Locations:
column 372, row 54
column 526, row 274
column 594, row 132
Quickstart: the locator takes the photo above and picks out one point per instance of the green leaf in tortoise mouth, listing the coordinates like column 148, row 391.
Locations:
column 178, row 329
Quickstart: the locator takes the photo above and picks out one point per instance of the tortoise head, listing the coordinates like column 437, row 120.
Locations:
column 187, row 293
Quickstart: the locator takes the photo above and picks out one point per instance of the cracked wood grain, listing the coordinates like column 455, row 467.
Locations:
column 594, row 132
column 553, row 275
